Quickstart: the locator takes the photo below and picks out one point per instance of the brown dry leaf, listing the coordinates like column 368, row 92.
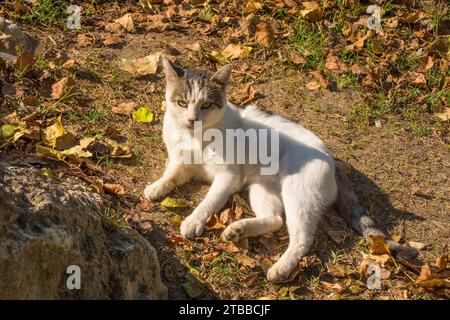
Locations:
column 210, row 256
column 85, row 40
column 214, row 223
column 12, row 91
column 31, row 101
column 124, row 108
column 230, row 215
column 66, row 141
column 312, row 85
column 417, row 245
column 265, row 265
column 444, row 116
column 358, row 69
column 308, row 262
column 321, row 78
column 114, row 188
column 113, row 40
column 380, row 259
column 177, row 239
column 85, row 142
column 379, row 246
column 429, row 280
column 416, row 78
column 246, row 261
column 113, row 27
column 441, row 263
column 141, row 66
column 244, row 96
column 126, row 22
column 339, row 270
column 195, row 46
column 24, row 62
column 252, row 6
column 264, row 34
column 227, row 246
column 297, row 59
column 59, row 88
column 236, row 51
column 312, row 11
column 251, row 278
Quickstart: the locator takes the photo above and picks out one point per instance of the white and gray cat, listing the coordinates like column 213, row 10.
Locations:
column 305, row 184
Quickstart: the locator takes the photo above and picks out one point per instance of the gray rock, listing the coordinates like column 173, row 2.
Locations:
column 12, row 38
column 46, row 225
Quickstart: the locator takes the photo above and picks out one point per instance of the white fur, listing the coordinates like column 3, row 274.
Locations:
column 303, row 187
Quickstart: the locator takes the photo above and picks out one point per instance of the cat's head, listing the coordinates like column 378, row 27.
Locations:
column 195, row 95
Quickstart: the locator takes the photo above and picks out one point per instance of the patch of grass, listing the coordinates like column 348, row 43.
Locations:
column 224, row 268
column 347, row 80
column 406, row 62
column 420, row 130
column 310, row 41
column 360, row 113
column 97, row 115
column 45, row 12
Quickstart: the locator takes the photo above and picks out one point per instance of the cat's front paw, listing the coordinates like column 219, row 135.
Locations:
column 155, row 190
column 191, row 227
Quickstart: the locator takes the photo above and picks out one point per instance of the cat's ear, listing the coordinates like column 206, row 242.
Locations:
column 171, row 70
column 222, row 75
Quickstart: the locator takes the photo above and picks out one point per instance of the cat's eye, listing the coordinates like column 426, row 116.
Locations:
column 207, row 105
column 182, row 103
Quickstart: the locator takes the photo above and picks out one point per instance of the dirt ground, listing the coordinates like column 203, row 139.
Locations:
column 400, row 177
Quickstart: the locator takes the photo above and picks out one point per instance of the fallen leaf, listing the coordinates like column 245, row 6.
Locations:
column 312, row 85
column 126, row 22
column 12, row 91
column 297, row 59
column 246, row 261
column 31, row 101
column 124, row 108
column 444, row 116
column 321, row 78
column 24, row 62
column 66, row 141
column 169, row 202
column 118, row 151
column 339, row 270
column 85, row 40
column 265, row 265
column 236, row 51
column 49, row 152
column 113, row 40
column 142, row 66
column 214, row 223
column 218, row 57
column 312, row 11
column 379, row 246
column 53, row 132
column 60, row 88
column 264, row 34
column 77, row 151
column 114, row 188
column 143, row 114
column 195, row 46
column 416, row 245
column 177, row 239
column 85, row 142
column 442, row 263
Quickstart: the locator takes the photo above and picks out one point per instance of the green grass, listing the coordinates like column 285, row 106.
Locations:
column 310, row 41
column 224, row 268
column 46, row 12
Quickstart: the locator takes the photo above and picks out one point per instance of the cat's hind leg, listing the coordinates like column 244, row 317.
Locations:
column 268, row 208
column 305, row 196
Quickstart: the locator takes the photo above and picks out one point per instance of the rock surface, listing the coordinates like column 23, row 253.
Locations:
column 12, row 38
column 46, row 225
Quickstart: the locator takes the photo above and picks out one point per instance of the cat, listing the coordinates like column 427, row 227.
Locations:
column 306, row 183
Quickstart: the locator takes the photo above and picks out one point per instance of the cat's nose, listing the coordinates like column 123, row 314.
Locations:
column 191, row 122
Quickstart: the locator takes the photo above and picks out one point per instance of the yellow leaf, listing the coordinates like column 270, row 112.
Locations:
column 173, row 203
column 53, row 132
column 236, row 51
column 379, row 246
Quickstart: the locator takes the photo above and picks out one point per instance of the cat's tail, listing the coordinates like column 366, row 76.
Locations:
column 350, row 209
